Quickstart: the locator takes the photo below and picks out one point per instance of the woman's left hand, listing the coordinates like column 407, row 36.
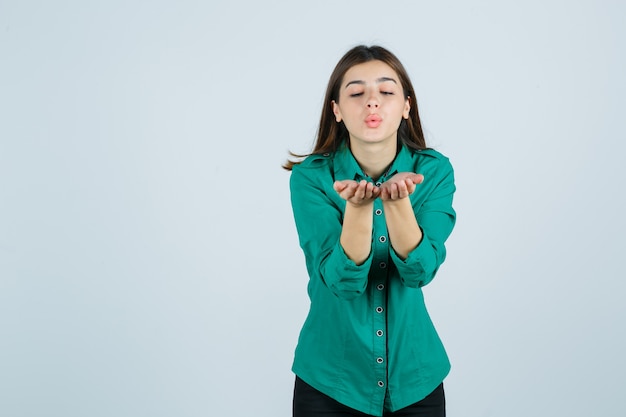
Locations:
column 400, row 186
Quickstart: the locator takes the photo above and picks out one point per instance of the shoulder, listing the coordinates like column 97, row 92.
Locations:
column 314, row 169
column 431, row 156
column 314, row 165
column 423, row 158
column 431, row 153
column 432, row 164
column 315, row 161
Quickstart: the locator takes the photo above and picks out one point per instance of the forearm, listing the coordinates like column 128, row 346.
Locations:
column 356, row 232
column 404, row 232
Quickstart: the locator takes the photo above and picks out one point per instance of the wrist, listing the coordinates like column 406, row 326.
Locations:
column 362, row 205
column 399, row 202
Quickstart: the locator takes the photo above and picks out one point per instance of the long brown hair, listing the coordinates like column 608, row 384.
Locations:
column 330, row 133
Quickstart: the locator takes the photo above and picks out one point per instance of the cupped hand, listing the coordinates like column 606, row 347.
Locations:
column 356, row 193
column 400, row 186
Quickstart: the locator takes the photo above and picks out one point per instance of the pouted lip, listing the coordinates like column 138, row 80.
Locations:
column 373, row 118
column 373, row 121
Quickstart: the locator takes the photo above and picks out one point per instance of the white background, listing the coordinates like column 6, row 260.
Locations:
column 149, row 264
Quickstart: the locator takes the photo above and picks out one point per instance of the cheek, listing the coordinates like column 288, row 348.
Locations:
column 350, row 109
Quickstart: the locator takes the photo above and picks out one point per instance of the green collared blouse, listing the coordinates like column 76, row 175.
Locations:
column 368, row 341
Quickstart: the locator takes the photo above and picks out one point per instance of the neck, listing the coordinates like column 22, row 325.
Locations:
column 374, row 158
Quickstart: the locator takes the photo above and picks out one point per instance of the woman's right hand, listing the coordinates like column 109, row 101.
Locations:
column 357, row 193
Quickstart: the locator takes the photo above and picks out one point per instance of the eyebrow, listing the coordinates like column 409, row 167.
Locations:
column 378, row 81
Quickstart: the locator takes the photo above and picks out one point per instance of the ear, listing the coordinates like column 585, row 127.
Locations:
column 336, row 111
column 407, row 107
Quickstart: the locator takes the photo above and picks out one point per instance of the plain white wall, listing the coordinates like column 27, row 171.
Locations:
column 149, row 264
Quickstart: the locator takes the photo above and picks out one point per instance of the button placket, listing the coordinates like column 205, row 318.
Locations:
column 380, row 250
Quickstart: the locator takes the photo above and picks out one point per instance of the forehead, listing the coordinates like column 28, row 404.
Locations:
column 369, row 72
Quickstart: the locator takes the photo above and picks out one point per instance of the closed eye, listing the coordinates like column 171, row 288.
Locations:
column 386, row 93
column 356, row 94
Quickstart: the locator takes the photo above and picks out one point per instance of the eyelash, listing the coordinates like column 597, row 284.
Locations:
column 384, row 93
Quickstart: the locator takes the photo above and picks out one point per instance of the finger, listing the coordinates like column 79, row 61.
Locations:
column 393, row 191
column 367, row 191
column 340, row 186
column 417, row 178
column 402, row 190
column 382, row 192
column 410, row 186
column 361, row 189
column 352, row 189
column 347, row 191
column 370, row 191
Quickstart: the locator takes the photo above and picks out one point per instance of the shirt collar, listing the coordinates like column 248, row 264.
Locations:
column 346, row 167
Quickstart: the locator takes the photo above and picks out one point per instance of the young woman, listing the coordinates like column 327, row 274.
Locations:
column 373, row 208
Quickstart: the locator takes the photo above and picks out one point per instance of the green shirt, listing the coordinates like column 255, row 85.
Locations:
column 368, row 341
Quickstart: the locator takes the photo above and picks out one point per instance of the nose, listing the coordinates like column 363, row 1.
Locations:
column 372, row 99
column 372, row 103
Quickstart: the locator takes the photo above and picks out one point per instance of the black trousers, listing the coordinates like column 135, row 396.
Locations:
column 309, row 402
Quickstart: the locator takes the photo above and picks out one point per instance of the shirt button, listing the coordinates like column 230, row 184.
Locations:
column 379, row 309
column 380, row 287
column 379, row 333
column 382, row 239
column 326, row 154
column 378, row 183
column 380, row 360
column 378, row 212
column 381, row 384
column 382, row 265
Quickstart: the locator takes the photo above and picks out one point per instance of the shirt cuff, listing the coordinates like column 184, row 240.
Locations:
column 414, row 270
column 343, row 276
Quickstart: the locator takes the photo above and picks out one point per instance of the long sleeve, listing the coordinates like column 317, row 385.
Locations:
column 436, row 218
column 318, row 213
